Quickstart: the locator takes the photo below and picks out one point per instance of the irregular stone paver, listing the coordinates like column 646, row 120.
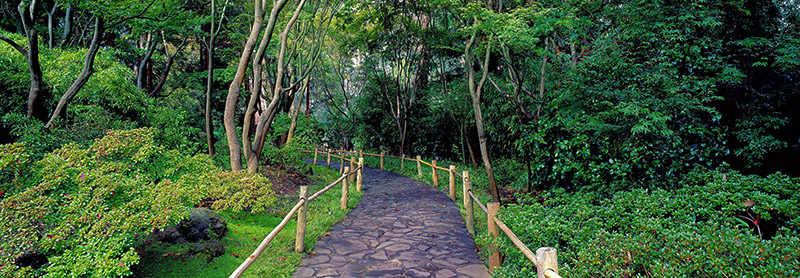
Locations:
column 400, row 228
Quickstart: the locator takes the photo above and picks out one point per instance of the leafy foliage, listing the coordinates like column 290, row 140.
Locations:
column 88, row 205
column 648, row 232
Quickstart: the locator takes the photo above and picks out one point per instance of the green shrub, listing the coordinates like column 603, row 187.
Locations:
column 87, row 206
column 700, row 230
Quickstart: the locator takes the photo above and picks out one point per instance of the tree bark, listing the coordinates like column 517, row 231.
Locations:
column 50, row 19
column 34, row 106
column 475, row 92
column 86, row 72
column 235, row 87
column 170, row 61
column 151, row 48
column 210, row 83
column 296, row 110
column 266, row 122
column 67, row 35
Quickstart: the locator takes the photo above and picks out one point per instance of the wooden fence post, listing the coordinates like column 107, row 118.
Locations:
column 494, row 259
column 453, row 183
column 360, row 153
column 360, row 179
column 468, row 204
column 547, row 260
column 343, row 201
column 316, row 152
column 328, row 162
column 402, row 162
column 419, row 166
column 300, row 238
column 435, row 173
column 351, row 178
column 341, row 163
column 381, row 160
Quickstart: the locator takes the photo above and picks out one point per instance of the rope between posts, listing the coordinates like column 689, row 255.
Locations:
column 483, row 208
column 525, row 251
column 326, row 188
column 264, row 243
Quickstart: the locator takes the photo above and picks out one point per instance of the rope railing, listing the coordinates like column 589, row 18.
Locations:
column 545, row 259
column 301, row 208
column 478, row 202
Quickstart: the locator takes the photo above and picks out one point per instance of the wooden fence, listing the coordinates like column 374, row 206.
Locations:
column 301, row 208
column 545, row 259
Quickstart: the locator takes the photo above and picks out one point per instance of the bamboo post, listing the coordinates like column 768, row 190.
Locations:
column 381, row 160
column 402, row 162
column 351, row 178
column 453, row 183
column 344, row 189
column 468, row 204
column 300, row 238
column 316, row 152
column 360, row 153
column 419, row 166
column 360, row 179
column 328, row 162
column 547, row 260
column 341, row 163
column 434, row 173
column 494, row 259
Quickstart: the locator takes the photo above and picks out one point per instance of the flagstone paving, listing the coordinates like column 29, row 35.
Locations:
column 400, row 228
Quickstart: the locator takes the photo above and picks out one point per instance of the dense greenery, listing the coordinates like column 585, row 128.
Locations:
column 624, row 113
column 83, row 208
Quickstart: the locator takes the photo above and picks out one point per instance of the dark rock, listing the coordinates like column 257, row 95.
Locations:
column 203, row 224
column 208, row 249
column 32, row 260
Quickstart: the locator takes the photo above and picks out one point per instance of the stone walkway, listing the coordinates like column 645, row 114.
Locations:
column 400, row 228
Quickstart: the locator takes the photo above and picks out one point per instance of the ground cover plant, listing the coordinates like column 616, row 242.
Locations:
column 245, row 232
column 720, row 224
column 79, row 211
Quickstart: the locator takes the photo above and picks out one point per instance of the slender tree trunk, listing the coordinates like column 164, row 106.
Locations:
column 475, row 92
column 235, row 87
column 471, row 152
column 266, row 122
column 86, row 72
column 67, row 35
column 210, row 84
column 170, row 62
column 50, row 19
column 140, row 75
column 34, row 106
column 296, row 110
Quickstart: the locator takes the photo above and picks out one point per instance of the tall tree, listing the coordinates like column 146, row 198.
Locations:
column 27, row 14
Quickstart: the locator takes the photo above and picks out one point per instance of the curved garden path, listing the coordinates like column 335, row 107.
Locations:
column 400, row 228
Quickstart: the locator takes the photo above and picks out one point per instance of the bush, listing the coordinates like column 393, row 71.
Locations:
column 86, row 206
column 706, row 228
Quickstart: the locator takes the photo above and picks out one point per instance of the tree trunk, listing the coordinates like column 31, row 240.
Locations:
column 475, row 92
column 67, row 35
column 163, row 79
column 210, row 84
column 86, row 72
column 266, row 122
column 34, row 106
column 235, row 87
column 296, row 110
column 50, row 19
column 140, row 75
